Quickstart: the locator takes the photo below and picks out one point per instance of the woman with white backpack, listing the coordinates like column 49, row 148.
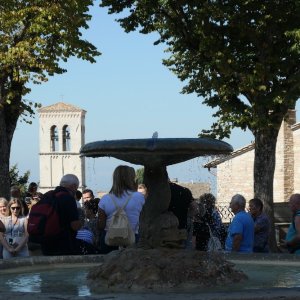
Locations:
column 119, row 211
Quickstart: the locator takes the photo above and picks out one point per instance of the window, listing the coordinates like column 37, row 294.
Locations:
column 54, row 138
column 66, row 138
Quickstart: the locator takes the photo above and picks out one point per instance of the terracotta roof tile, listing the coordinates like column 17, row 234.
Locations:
column 60, row 106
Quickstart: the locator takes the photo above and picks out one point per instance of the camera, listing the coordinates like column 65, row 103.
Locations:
column 10, row 241
column 28, row 200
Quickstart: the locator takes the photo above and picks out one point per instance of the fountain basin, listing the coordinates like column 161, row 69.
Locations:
column 272, row 276
column 160, row 151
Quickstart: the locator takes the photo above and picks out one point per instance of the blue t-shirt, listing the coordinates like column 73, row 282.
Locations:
column 132, row 209
column 242, row 224
column 291, row 233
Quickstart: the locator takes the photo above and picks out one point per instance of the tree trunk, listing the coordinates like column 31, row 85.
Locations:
column 5, row 144
column 264, row 167
column 9, row 115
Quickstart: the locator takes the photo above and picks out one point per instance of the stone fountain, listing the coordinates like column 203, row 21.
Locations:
column 157, row 262
column 161, row 272
column 158, row 227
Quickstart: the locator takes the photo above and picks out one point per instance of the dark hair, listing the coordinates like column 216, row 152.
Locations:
column 32, row 185
column 257, row 203
column 78, row 194
column 88, row 191
column 209, row 200
column 92, row 204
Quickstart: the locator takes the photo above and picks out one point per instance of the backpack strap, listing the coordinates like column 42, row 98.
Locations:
column 113, row 197
column 210, row 231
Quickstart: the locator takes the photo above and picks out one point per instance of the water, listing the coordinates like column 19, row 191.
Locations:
column 71, row 280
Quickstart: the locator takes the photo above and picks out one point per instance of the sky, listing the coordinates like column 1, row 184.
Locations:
column 127, row 93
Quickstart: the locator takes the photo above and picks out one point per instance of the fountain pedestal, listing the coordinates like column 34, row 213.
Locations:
column 154, row 264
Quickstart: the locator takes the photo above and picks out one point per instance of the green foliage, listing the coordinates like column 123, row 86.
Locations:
column 19, row 180
column 139, row 175
column 242, row 57
column 35, row 37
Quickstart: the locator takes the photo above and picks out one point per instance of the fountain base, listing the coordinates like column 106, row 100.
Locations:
column 162, row 270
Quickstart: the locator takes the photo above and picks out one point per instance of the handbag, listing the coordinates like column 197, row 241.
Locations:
column 214, row 244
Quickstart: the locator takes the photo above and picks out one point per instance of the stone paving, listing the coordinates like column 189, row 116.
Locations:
column 279, row 294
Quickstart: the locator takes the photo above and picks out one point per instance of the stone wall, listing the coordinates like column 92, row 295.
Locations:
column 197, row 188
column 296, row 135
column 235, row 175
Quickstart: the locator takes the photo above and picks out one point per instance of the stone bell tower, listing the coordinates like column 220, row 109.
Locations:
column 62, row 133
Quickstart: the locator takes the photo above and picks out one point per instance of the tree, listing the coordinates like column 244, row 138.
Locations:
column 242, row 57
column 20, row 180
column 36, row 36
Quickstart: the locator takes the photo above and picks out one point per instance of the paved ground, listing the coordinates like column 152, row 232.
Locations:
column 280, row 294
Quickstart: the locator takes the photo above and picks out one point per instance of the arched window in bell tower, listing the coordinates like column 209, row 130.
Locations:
column 66, row 138
column 54, row 138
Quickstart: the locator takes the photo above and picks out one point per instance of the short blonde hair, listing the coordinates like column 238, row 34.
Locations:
column 3, row 201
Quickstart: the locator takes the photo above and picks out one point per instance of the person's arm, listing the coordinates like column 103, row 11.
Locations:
column 296, row 239
column 5, row 244
column 101, row 219
column 2, row 227
column 76, row 225
column 236, row 242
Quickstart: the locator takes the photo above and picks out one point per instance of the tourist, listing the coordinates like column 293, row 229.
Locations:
column 86, row 236
column 65, row 242
column 123, row 187
column 181, row 198
column 240, row 237
column 32, row 192
column 3, row 207
column 15, row 238
column 209, row 221
column 142, row 189
column 193, row 211
column 91, row 219
column 3, row 214
column 87, row 195
column 261, row 226
column 78, row 196
column 15, row 192
column 292, row 241
column 32, row 196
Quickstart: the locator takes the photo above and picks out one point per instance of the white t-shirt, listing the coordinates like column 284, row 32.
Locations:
column 132, row 209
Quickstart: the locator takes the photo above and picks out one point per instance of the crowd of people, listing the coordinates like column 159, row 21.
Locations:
column 84, row 219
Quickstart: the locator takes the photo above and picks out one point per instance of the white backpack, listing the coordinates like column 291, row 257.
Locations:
column 119, row 232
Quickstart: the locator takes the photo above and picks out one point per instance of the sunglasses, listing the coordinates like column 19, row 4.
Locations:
column 15, row 208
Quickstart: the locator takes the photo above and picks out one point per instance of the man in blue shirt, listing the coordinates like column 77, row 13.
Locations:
column 240, row 236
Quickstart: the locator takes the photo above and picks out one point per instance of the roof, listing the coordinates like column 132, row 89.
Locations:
column 215, row 162
column 59, row 107
column 295, row 126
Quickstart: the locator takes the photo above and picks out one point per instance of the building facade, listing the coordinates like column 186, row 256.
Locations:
column 61, row 135
column 235, row 172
